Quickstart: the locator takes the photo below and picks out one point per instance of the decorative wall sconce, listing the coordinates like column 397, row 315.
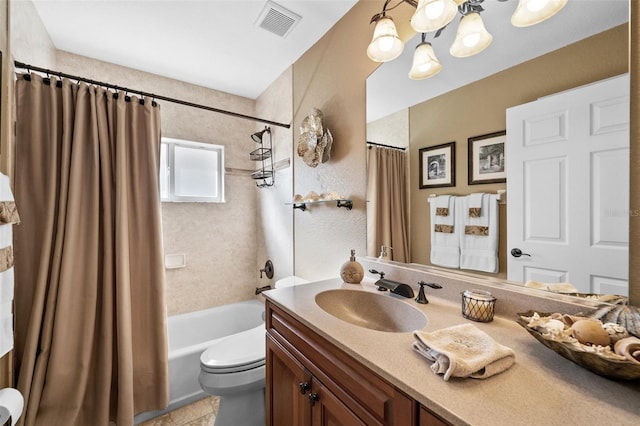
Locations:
column 434, row 15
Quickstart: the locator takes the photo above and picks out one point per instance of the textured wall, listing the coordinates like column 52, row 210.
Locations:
column 30, row 42
column 331, row 76
column 274, row 216
column 390, row 130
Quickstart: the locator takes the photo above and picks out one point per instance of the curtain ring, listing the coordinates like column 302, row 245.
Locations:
column 47, row 80
column 127, row 98
column 153, row 100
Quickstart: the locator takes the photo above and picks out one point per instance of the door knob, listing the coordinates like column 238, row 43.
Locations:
column 516, row 252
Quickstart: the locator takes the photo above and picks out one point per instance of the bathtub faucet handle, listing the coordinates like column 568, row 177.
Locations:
column 268, row 269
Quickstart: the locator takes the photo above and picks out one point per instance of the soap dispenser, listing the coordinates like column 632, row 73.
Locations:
column 352, row 271
column 383, row 254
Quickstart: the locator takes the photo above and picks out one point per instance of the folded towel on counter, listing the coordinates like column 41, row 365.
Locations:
column 445, row 240
column 479, row 235
column 463, row 351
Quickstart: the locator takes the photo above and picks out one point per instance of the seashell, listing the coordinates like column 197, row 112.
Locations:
column 548, row 324
column 629, row 347
column 615, row 331
column 567, row 288
column 590, row 331
column 326, row 153
column 570, row 319
column 313, row 123
column 625, row 315
column 554, row 326
column 535, row 284
column 312, row 196
column 333, row 196
column 298, row 198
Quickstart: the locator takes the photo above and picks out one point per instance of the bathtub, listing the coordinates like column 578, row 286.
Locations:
column 191, row 334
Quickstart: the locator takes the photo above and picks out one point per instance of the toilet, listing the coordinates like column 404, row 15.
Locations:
column 233, row 368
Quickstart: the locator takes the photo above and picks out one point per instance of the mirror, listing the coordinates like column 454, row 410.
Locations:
column 464, row 86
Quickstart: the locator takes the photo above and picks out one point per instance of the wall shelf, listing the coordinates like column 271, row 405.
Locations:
column 347, row 204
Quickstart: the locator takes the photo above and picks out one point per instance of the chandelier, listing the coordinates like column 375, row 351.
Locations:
column 434, row 15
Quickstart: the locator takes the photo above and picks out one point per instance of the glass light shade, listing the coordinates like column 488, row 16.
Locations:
column 531, row 12
column 385, row 45
column 471, row 38
column 425, row 63
column 431, row 15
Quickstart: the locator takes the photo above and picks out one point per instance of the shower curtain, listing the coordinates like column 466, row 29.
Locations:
column 387, row 209
column 91, row 343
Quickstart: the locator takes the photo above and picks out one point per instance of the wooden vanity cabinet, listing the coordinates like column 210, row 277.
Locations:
column 312, row 382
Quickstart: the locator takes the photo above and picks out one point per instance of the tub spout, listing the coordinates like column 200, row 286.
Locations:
column 395, row 287
column 261, row 289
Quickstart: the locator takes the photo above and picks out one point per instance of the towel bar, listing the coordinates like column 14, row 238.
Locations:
column 501, row 195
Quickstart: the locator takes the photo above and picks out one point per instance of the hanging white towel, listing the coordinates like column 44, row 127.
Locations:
column 8, row 217
column 445, row 241
column 479, row 235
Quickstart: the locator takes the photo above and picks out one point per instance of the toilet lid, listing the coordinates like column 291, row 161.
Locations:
column 240, row 351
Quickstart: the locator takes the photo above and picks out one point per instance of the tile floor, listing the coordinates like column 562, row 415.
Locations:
column 199, row 413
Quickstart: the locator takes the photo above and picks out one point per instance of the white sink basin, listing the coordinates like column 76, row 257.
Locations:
column 382, row 312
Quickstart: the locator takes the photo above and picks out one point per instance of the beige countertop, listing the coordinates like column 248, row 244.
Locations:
column 540, row 388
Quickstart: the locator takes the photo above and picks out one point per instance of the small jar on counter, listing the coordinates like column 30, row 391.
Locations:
column 478, row 305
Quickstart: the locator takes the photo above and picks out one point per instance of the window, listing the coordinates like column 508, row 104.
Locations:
column 191, row 171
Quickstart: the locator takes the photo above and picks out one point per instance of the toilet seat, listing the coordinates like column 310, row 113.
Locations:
column 238, row 352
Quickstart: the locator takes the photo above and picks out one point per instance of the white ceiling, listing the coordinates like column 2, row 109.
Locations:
column 212, row 43
column 216, row 43
column 389, row 88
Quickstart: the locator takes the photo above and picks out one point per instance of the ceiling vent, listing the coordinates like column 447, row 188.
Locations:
column 277, row 19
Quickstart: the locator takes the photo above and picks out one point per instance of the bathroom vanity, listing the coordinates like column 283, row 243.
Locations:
column 310, row 381
column 324, row 370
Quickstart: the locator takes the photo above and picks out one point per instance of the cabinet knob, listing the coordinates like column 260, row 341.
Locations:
column 313, row 397
column 304, row 387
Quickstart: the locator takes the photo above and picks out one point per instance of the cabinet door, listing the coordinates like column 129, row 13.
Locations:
column 328, row 410
column 429, row 419
column 287, row 388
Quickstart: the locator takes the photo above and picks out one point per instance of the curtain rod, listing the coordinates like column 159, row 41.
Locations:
column 385, row 146
column 151, row 95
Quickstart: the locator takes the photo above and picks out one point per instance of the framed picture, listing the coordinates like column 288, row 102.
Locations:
column 487, row 159
column 438, row 166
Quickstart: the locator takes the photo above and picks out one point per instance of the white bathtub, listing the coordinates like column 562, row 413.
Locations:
column 191, row 334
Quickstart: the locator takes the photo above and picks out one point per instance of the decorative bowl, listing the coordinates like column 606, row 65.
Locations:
column 595, row 362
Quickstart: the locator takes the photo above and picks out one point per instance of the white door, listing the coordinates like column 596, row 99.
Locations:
column 568, row 188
